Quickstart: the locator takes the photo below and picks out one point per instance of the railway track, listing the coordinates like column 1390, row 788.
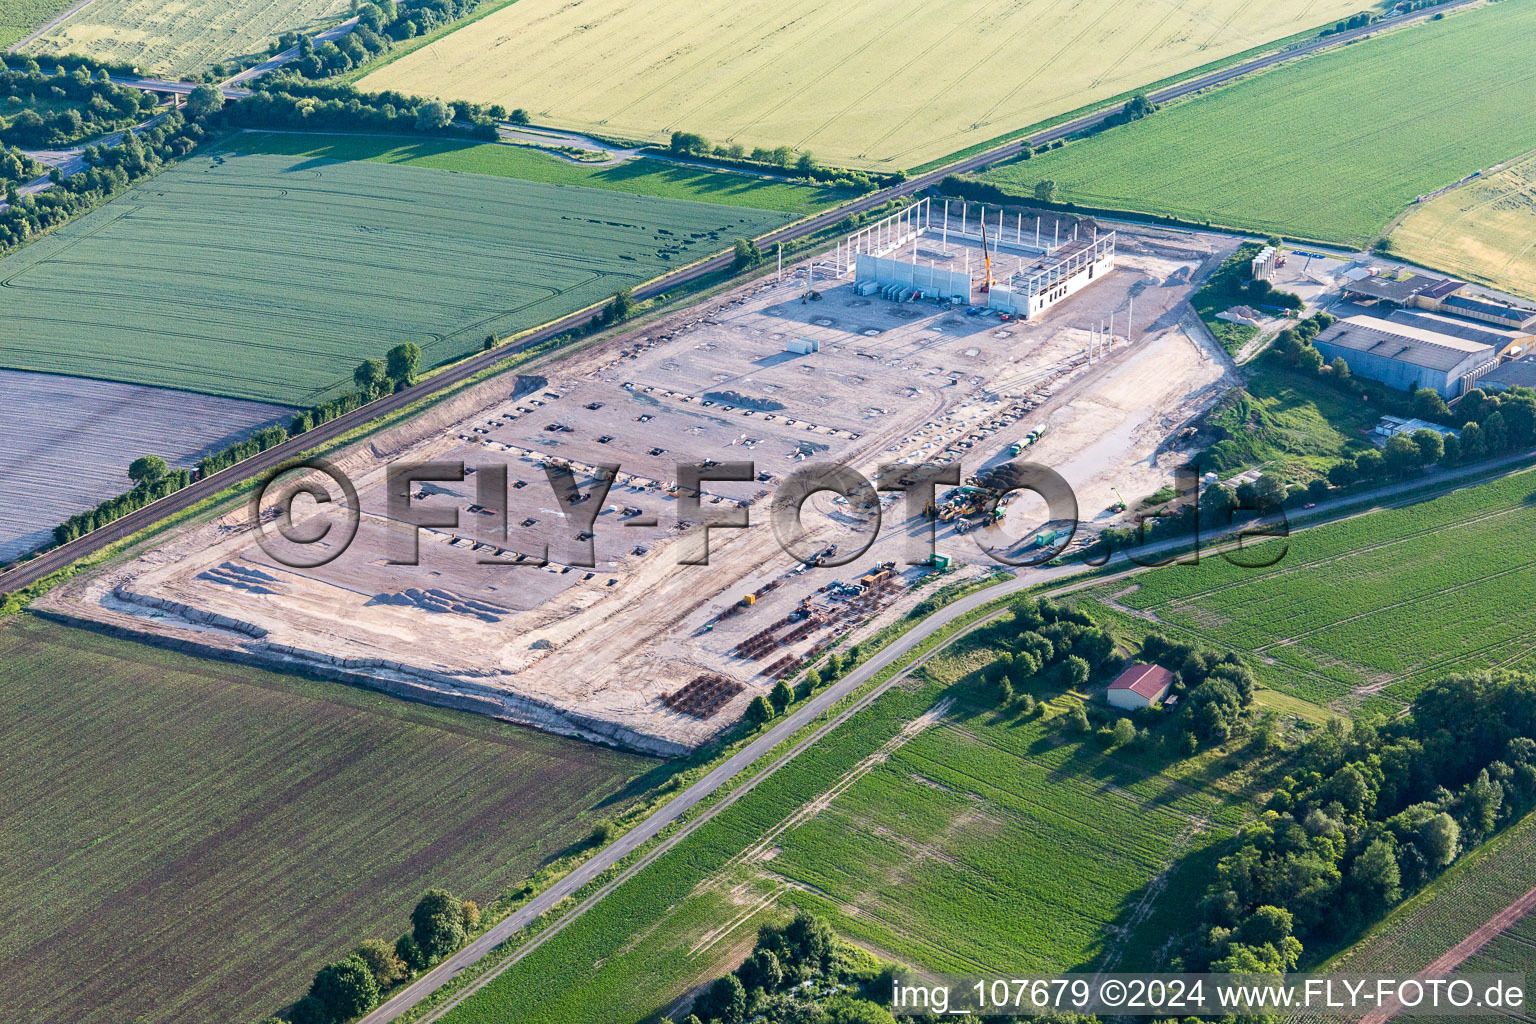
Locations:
column 26, row 573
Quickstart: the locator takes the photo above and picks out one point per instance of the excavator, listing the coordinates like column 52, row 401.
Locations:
column 986, row 254
column 1119, row 505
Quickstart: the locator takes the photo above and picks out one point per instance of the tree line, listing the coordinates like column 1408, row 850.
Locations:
column 153, row 480
column 1365, row 18
column 797, row 973
column 1369, row 815
column 74, row 104
column 292, row 103
column 350, row 987
column 790, row 163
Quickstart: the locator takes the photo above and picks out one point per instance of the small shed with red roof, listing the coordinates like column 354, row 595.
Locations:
column 1139, row 686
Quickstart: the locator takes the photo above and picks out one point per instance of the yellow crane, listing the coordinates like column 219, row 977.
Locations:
column 986, row 254
column 1119, row 505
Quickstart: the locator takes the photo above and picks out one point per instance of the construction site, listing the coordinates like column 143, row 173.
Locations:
column 955, row 252
column 579, row 618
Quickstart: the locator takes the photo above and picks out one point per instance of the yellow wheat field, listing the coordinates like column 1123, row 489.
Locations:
column 1484, row 231
column 875, row 83
column 176, row 37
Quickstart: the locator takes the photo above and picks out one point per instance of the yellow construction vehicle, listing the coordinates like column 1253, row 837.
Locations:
column 1119, row 505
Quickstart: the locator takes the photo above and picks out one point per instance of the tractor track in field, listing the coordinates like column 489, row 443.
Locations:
column 1327, row 560
column 406, row 999
column 52, row 561
column 1463, row 951
column 49, row 25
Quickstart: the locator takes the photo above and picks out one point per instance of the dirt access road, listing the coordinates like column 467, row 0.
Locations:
column 52, row 561
column 1463, row 951
column 782, row 731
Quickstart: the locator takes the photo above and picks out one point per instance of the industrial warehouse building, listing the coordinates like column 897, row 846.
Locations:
column 1416, row 290
column 1065, row 271
column 1517, row 373
column 1406, row 356
column 1507, row 342
column 1502, row 313
column 1439, row 295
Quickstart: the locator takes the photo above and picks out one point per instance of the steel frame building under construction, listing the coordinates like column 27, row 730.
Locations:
column 1045, row 271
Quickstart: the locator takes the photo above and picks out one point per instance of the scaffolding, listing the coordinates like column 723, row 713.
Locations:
column 1026, row 242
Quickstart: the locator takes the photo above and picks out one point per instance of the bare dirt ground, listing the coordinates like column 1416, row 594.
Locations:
column 592, row 650
column 1463, row 951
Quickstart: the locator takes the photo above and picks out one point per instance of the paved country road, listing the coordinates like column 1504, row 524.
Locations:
column 73, row 161
column 783, row 730
column 51, row 561
column 278, row 60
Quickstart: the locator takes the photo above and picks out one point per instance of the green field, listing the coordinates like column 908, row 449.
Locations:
column 927, row 828
column 19, row 18
column 271, row 276
column 867, row 84
column 1330, row 147
column 1512, row 952
column 640, row 176
column 183, row 38
column 187, row 841
column 1452, row 908
column 949, row 853
column 1363, row 611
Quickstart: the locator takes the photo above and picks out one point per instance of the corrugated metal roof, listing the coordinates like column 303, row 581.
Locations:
column 1397, row 291
column 1401, row 342
column 1517, row 373
column 1467, row 330
column 1498, row 309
